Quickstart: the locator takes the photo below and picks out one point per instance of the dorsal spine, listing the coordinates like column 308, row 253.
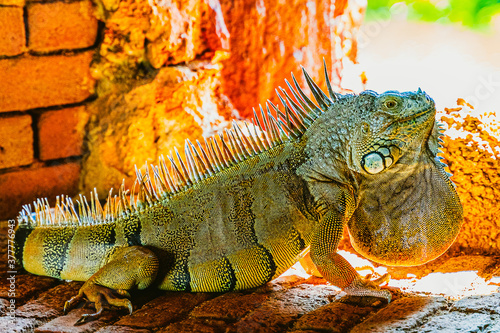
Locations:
column 200, row 163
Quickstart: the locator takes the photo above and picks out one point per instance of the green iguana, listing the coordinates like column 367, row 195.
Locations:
column 244, row 207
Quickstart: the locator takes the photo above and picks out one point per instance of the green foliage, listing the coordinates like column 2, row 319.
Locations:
column 470, row 13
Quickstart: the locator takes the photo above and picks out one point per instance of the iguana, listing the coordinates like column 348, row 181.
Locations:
column 247, row 205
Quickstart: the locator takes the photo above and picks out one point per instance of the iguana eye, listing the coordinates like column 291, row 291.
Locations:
column 391, row 104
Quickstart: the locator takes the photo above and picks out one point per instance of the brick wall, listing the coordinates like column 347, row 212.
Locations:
column 46, row 48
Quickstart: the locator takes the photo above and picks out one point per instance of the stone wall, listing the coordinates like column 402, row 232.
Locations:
column 45, row 52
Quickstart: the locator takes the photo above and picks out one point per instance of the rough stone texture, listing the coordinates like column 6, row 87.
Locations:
column 27, row 185
column 284, row 307
column 66, row 324
column 50, row 303
column 60, row 25
column 269, row 39
column 458, row 322
column 164, row 310
column 61, row 132
column 18, row 325
column 403, row 314
column 12, row 32
column 122, row 329
column 16, row 141
column 335, row 317
column 472, row 150
column 197, row 326
column 229, row 307
column 489, row 304
column 181, row 31
column 32, row 82
column 176, row 32
column 130, row 128
column 26, row 286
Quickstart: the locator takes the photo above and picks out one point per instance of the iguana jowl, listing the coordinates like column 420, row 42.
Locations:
column 245, row 207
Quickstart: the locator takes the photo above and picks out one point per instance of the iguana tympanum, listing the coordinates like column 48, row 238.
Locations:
column 245, row 206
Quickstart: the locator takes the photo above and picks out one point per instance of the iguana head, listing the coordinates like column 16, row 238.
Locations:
column 388, row 128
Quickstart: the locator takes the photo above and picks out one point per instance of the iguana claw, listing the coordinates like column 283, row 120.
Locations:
column 100, row 296
column 366, row 287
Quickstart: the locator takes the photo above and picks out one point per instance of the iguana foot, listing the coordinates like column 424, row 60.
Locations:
column 101, row 297
column 366, row 287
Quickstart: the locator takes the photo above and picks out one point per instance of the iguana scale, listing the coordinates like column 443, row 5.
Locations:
column 246, row 206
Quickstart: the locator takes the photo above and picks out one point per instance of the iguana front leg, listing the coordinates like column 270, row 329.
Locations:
column 338, row 205
column 125, row 269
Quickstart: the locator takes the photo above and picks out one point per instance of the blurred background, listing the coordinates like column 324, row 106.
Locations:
column 449, row 48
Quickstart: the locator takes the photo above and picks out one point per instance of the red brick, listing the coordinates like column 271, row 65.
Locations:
column 16, row 141
column 24, row 186
column 18, row 3
column 31, row 82
column 61, row 25
column 12, row 34
column 61, row 132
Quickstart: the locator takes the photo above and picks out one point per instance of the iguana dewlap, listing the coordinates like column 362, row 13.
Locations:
column 244, row 207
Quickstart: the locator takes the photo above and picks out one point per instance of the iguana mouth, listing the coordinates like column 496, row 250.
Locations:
column 417, row 116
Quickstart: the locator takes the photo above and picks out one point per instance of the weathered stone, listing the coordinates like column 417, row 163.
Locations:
column 18, row 325
column 230, row 306
column 401, row 315
column 335, row 317
column 484, row 304
column 195, row 325
column 138, row 126
column 473, row 156
column 494, row 327
column 269, row 39
column 66, row 324
column 4, row 304
column 283, row 308
column 455, row 322
column 468, row 263
column 50, row 303
column 176, row 32
column 122, row 329
column 164, row 310
column 26, row 285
